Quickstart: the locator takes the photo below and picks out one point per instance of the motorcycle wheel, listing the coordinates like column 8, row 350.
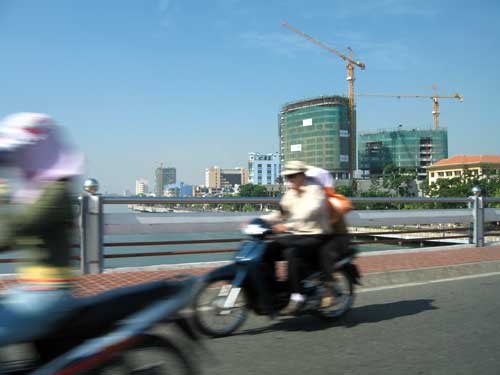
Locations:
column 151, row 355
column 342, row 291
column 210, row 315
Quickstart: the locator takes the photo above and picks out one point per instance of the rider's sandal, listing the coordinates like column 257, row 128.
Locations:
column 291, row 308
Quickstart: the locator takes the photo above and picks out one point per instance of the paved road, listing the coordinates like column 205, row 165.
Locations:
column 442, row 328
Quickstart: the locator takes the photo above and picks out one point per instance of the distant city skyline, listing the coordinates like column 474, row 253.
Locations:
column 195, row 84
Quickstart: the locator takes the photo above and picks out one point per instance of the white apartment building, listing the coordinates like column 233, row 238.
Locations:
column 263, row 169
column 141, row 187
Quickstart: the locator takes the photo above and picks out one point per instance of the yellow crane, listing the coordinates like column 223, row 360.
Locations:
column 350, row 80
column 435, row 100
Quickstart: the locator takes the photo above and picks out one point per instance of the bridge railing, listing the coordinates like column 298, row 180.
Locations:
column 95, row 224
column 98, row 230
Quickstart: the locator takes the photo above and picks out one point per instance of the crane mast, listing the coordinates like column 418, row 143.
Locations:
column 352, row 114
column 350, row 82
column 435, row 107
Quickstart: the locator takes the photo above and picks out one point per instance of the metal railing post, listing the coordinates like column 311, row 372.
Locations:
column 91, row 232
column 478, row 217
column 471, row 206
column 82, row 224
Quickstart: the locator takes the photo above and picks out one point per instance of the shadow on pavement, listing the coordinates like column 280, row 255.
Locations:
column 358, row 315
column 386, row 311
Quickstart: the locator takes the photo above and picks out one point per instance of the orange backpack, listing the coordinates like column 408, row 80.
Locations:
column 338, row 204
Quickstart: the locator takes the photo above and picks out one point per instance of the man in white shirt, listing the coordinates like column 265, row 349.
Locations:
column 305, row 215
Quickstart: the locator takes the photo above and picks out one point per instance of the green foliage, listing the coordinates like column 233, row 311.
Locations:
column 453, row 187
column 250, row 207
column 344, row 190
column 251, row 190
column 462, row 186
column 375, row 184
column 400, row 180
column 373, row 193
column 424, row 187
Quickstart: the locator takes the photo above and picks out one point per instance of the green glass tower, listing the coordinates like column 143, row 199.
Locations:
column 316, row 131
column 405, row 148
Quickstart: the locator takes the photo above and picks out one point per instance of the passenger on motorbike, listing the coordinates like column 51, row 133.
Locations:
column 304, row 214
column 40, row 219
column 338, row 244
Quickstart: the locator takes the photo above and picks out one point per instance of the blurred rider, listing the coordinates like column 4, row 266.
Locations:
column 338, row 245
column 41, row 221
column 305, row 215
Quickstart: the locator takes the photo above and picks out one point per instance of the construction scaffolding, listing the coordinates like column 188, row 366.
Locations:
column 316, row 131
column 404, row 148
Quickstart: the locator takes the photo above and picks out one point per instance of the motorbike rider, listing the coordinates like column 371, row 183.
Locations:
column 40, row 219
column 304, row 214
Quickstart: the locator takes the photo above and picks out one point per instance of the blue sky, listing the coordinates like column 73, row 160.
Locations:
column 200, row 83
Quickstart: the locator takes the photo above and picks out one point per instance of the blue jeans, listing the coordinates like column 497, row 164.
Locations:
column 26, row 314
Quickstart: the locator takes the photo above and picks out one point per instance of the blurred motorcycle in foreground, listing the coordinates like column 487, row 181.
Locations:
column 116, row 332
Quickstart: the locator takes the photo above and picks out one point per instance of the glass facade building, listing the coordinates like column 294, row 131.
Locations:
column 316, row 131
column 405, row 148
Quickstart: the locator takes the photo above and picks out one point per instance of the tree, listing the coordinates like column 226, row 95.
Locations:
column 399, row 180
column 375, row 206
column 251, row 190
column 344, row 190
column 462, row 186
column 424, row 186
column 451, row 187
column 374, row 184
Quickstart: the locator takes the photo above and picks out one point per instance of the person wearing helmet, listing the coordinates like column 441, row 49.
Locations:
column 41, row 221
column 304, row 215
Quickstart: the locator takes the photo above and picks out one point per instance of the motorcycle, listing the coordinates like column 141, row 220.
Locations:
column 114, row 332
column 247, row 284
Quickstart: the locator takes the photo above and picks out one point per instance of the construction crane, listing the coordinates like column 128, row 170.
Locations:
column 435, row 100
column 350, row 80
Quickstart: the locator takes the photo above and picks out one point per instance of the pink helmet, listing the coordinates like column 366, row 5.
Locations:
column 34, row 143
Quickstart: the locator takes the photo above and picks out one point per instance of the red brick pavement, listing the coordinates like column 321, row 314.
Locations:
column 425, row 259
column 92, row 284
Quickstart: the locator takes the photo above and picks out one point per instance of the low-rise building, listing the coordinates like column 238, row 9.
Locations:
column 218, row 178
column 263, row 169
column 178, row 190
column 459, row 165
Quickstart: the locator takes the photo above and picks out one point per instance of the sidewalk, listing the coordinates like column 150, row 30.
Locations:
column 378, row 268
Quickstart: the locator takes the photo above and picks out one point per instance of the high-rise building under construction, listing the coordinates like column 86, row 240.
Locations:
column 316, row 131
column 164, row 176
column 404, row 148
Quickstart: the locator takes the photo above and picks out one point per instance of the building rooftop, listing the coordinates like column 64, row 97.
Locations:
column 402, row 129
column 464, row 159
column 320, row 100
